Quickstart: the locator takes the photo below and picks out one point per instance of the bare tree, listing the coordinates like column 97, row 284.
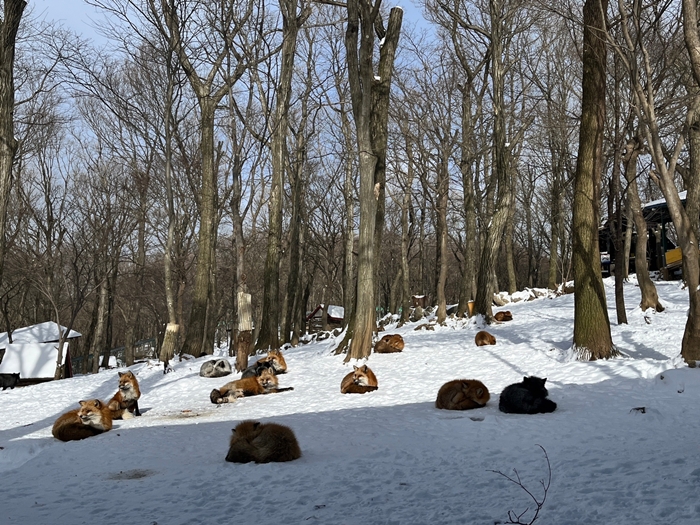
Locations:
column 9, row 26
column 370, row 104
column 292, row 20
column 592, row 338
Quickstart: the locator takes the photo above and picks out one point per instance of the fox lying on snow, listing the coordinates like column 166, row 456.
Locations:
column 262, row 443
column 462, row 394
column 265, row 383
column 125, row 403
column 92, row 418
column 503, row 316
column 359, row 381
column 483, row 338
column 389, row 344
column 215, row 368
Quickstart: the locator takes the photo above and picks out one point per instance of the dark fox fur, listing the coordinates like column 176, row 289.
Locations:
column 274, row 361
column 526, row 397
column 9, row 380
column 262, row 443
column 256, row 368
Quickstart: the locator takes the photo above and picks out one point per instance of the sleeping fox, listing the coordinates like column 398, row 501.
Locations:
column 125, row 403
column 484, row 338
column 503, row 316
column 462, row 394
column 389, row 344
column 265, row 383
column 262, row 443
column 359, row 381
column 92, row 418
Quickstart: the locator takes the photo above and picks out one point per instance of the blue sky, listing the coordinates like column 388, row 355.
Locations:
column 77, row 15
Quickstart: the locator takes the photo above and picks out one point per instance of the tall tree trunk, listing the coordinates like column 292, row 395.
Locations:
column 650, row 298
column 268, row 337
column 555, row 222
column 172, row 328
column 466, row 147
column 406, row 238
column 370, row 100
column 690, row 349
column 615, row 205
column 349, row 233
column 98, row 342
column 592, row 338
column 9, row 26
column 197, row 324
column 508, row 247
column 494, row 234
column 443, row 187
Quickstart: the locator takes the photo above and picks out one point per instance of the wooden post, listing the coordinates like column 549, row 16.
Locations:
column 244, row 332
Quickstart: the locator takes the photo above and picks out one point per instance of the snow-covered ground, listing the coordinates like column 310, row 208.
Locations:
column 386, row 457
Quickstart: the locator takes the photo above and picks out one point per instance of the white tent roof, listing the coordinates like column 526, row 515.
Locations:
column 37, row 333
column 32, row 360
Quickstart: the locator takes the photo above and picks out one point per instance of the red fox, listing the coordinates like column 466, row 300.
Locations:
column 92, row 418
column 265, row 383
column 262, row 443
column 503, row 316
column 274, row 360
column 389, row 344
column 484, row 338
column 359, row 381
column 125, row 403
column 462, row 394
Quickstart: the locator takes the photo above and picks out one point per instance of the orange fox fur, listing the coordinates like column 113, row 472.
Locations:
column 265, row 383
column 484, row 338
column 389, row 344
column 92, row 418
column 125, row 403
column 359, row 381
column 275, row 357
column 462, row 394
column 262, row 443
column 503, row 316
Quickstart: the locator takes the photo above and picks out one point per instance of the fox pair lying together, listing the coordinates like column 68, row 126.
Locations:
column 527, row 397
column 95, row 416
column 258, row 379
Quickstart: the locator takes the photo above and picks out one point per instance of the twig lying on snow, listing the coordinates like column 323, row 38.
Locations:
column 517, row 519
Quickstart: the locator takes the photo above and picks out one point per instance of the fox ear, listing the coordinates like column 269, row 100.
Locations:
column 354, row 367
column 82, row 403
column 544, row 380
column 365, row 368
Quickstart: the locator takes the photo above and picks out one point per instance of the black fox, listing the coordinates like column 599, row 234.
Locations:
column 526, row 397
column 9, row 380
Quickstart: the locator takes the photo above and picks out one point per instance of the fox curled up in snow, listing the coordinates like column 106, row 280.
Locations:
column 265, row 383
column 125, row 403
column 359, row 381
column 389, row 344
column 503, row 316
column 262, row 443
column 483, row 338
column 462, row 394
column 92, row 418
column 274, row 360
